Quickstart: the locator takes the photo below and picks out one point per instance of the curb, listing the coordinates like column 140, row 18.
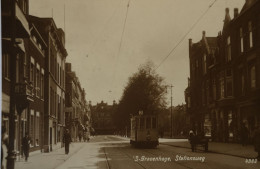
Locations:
column 210, row 151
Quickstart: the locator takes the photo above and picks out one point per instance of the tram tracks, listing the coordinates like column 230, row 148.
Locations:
column 130, row 153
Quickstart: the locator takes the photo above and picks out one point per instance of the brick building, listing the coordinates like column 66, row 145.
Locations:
column 223, row 91
column 77, row 111
column 54, row 84
column 103, row 118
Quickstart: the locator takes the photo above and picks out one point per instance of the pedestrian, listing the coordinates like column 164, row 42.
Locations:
column 80, row 136
column 4, row 147
column 244, row 134
column 67, row 141
column 256, row 140
column 192, row 139
column 26, row 145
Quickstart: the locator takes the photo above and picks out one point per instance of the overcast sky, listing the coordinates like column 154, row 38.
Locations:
column 153, row 27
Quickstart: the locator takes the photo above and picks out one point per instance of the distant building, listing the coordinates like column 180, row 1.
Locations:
column 223, row 91
column 103, row 118
column 77, row 112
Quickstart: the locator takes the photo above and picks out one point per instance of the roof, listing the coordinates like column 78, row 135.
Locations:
column 248, row 4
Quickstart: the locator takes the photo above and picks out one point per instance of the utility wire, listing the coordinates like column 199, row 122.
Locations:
column 105, row 25
column 186, row 34
column 122, row 35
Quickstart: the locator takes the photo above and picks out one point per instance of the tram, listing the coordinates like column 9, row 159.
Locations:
column 144, row 131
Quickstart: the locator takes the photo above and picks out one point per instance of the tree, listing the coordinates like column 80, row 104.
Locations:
column 144, row 91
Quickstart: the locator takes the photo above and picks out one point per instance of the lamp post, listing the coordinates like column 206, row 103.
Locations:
column 11, row 152
column 171, row 86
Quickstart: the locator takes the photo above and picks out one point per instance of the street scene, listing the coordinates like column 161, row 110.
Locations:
column 105, row 152
column 113, row 84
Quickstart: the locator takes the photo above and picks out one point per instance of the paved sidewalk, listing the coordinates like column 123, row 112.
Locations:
column 48, row 160
column 222, row 148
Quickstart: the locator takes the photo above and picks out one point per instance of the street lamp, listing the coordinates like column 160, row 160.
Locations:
column 171, row 107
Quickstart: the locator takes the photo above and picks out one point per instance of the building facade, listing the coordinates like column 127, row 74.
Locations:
column 54, row 84
column 16, row 87
column 77, row 111
column 223, row 91
column 103, row 118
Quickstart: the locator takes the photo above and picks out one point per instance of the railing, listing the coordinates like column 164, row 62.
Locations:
column 24, row 90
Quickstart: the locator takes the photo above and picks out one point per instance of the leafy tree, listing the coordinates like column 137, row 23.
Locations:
column 144, row 91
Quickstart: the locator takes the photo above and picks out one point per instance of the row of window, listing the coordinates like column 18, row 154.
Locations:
column 34, row 128
column 56, row 69
column 37, row 78
column 144, row 123
column 226, row 85
column 246, row 40
column 56, row 102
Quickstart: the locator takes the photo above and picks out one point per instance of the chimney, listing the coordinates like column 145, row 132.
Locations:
column 203, row 34
column 235, row 12
column 190, row 42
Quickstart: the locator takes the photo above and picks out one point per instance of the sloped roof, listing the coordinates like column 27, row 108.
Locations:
column 247, row 5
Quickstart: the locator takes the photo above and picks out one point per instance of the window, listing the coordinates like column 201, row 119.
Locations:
column 207, row 92
column 222, row 88
column 242, row 83
column 214, row 90
column 204, row 63
column 24, row 66
column 228, row 49
column 241, row 41
column 42, row 84
column 38, row 81
column 252, row 77
column 60, row 79
column 229, row 87
column 6, row 65
column 37, row 128
column 58, row 73
column 250, row 34
column 17, row 69
column 148, row 122
column 32, row 127
column 32, row 70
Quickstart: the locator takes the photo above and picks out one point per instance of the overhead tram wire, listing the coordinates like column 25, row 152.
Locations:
column 122, row 35
column 173, row 49
column 120, row 44
column 107, row 22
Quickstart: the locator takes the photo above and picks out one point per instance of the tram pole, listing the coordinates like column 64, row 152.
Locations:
column 171, row 113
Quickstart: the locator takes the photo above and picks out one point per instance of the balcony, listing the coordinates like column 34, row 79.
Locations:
column 22, row 25
column 24, row 92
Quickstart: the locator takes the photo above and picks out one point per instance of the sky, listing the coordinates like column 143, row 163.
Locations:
column 148, row 30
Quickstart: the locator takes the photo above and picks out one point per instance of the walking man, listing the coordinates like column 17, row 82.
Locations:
column 26, row 146
column 66, row 141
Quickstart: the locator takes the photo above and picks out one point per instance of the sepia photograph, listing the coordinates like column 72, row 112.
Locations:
column 130, row 84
